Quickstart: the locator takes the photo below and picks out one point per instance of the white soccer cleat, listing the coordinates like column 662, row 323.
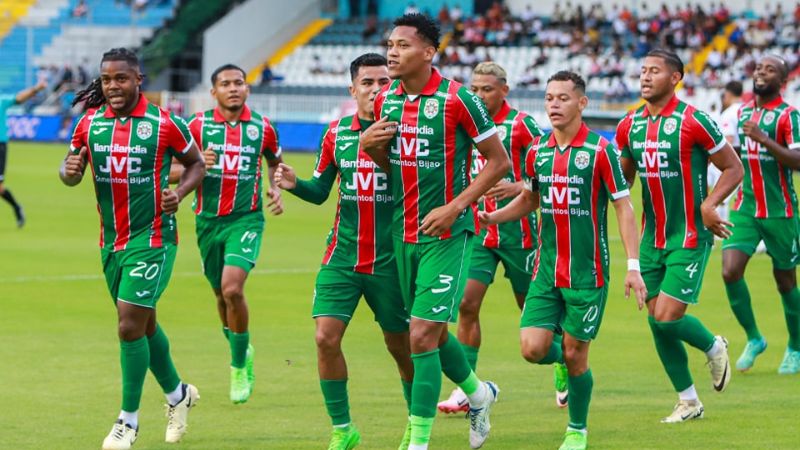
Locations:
column 178, row 414
column 720, row 366
column 479, row 416
column 121, row 437
column 457, row 402
column 685, row 410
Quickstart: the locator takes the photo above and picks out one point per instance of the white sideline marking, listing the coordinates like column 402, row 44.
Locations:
column 99, row 276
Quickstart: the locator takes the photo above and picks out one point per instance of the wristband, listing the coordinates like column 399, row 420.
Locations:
column 633, row 264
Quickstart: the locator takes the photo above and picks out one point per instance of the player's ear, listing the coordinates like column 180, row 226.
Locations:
column 583, row 102
column 352, row 90
column 430, row 53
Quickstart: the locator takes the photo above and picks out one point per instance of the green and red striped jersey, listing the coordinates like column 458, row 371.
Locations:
column 767, row 190
column 431, row 154
column 671, row 152
column 234, row 184
column 130, row 159
column 516, row 130
column 575, row 184
column 361, row 238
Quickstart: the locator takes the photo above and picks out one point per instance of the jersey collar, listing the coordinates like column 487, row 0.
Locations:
column 668, row 109
column 429, row 89
column 577, row 141
column 501, row 115
column 138, row 110
column 771, row 105
column 244, row 117
column 355, row 124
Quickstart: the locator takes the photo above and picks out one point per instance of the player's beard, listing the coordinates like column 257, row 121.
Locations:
column 768, row 90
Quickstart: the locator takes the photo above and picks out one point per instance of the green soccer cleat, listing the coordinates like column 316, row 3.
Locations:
column 406, row 438
column 574, row 440
column 251, row 376
column 240, row 386
column 344, row 438
column 560, row 376
column 753, row 348
column 791, row 363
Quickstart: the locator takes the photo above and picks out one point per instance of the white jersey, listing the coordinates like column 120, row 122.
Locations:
column 729, row 122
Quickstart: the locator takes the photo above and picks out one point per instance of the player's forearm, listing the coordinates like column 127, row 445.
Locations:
column 27, row 94
column 728, row 181
column 493, row 172
column 627, row 227
column 175, row 172
column 785, row 156
column 522, row 205
column 311, row 191
column 191, row 178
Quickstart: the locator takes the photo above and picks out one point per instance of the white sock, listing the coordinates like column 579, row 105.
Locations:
column 175, row 397
column 478, row 398
column 715, row 349
column 417, row 446
column 130, row 418
column 344, row 425
column 583, row 431
column 688, row 394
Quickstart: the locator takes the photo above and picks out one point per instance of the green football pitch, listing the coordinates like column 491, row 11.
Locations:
column 60, row 382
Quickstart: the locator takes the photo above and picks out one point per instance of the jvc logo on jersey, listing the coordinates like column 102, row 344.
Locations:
column 231, row 161
column 410, row 146
column 116, row 164
column 365, row 180
column 559, row 194
column 654, row 160
column 478, row 163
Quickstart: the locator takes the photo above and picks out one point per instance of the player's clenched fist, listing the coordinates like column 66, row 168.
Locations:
column 169, row 201
column 285, row 177
column 210, row 157
column 74, row 165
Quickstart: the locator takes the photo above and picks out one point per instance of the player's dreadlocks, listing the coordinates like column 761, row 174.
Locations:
column 92, row 95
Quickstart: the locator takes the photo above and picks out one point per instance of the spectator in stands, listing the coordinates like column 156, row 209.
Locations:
column 411, row 9
column 80, row 10
column 266, row 75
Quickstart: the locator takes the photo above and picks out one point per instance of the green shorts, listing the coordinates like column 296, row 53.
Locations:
column 433, row 275
column 780, row 236
column 338, row 291
column 573, row 310
column 676, row 273
column 138, row 276
column 517, row 262
column 229, row 241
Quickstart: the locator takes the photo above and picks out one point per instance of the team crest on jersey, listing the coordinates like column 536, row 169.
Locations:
column 769, row 117
column 582, row 159
column 502, row 132
column 144, row 130
column 670, row 125
column 431, row 108
column 252, row 132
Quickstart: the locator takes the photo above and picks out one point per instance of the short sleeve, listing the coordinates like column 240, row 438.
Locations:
column 610, row 171
column 622, row 136
column 474, row 117
column 196, row 128
column 271, row 147
column 81, row 132
column 179, row 139
column 705, row 133
column 789, row 129
column 325, row 157
column 529, row 172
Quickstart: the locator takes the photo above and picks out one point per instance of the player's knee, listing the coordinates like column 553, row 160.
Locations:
column 233, row 293
column 128, row 330
column 468, row 310
column 533, row 352
column 574, row 356
column 785, row 282
column 397, row 344
column 731, row 274
column 328, row 341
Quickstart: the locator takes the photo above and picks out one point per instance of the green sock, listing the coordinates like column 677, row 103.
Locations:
column 239, row 343
column 472, row 355
column 580, row 394
column 554, row 355
column 739, row 298
column 673, row 356
column 335, row 394
column 454, row 362
column 226, row 331
column 791, row 311
column 471, row 384
column 689, row 329
column 427, row 383
column 420, row 429
column 407, row 392
column 134, row 357
column 161, row 362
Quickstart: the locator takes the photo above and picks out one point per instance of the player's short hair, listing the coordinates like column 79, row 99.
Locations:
column 121, row 54
column 92, row 95
column 366, row 60
column 491, row 68
column 568, row 75
column 784, row 66
column 672, row 60
column 734, row 87
column 427, row 28
column 223, row 68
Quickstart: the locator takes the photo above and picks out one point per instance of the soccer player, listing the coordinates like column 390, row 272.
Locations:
column 423, row 139
column 670, row 143
column 7, row 101
column 513, row 243
column 129, row 144
column 766, row 209
column 359, row 259
column 729, row 123
column 572, row 172
column 228, row 208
